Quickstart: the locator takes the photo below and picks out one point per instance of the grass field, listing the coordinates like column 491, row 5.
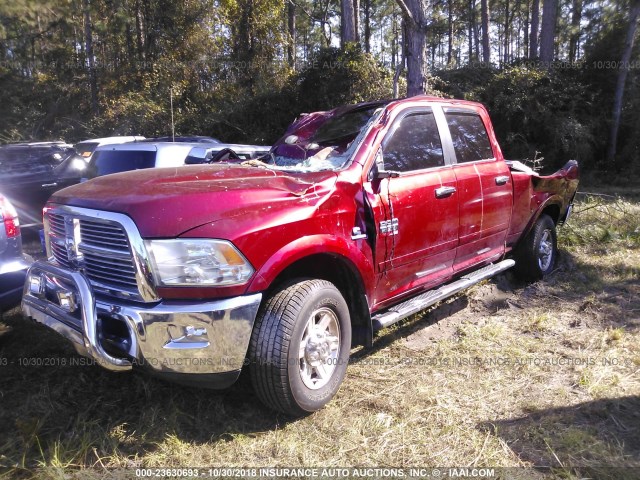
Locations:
column 505, row 375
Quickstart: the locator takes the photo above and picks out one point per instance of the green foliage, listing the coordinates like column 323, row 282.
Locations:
column 332, row 77
column 539, row 110
column 225, row 62
column 336, row 77
column 535, row 110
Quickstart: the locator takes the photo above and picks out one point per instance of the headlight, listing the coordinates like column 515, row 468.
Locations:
column 197, row 262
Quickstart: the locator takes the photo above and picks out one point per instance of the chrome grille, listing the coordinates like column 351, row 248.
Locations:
column 56, row 224
column 113, row 271
column 60, row 254
column 98, row 248
column 103, row 235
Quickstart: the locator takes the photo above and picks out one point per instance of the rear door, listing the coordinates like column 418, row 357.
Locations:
column 485, row 190
column 415, row 206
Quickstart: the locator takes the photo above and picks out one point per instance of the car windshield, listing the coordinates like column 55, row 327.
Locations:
column 329, row 147
column 116, row 161
column 26, row 161
column 85, row 149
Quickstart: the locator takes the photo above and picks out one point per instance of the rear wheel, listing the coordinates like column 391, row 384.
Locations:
column 536, row 255
column 300, row 347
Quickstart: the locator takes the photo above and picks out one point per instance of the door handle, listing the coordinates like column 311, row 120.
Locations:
column 502, row 179
column 444, row 192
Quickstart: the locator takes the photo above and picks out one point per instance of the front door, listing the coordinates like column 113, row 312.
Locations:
column 413, row 194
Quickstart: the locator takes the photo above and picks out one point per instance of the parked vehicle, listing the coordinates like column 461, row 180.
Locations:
column 185, row 139
column 13, row 263
column 86, row 148
column 358, row 218
column 140, row 155
column 225, row 151
column 31, row 172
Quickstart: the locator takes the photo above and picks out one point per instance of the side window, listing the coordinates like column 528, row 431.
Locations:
column 470, row 140
column 414, row 144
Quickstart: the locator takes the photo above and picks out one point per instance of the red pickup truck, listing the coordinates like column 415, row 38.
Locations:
column 357, row 218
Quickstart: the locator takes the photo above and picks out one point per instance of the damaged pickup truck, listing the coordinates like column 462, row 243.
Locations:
column 357, row 218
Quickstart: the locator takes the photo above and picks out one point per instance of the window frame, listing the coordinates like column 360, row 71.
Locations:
column 466, row 111
column 434, row 110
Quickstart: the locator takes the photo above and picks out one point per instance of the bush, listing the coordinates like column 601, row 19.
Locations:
column 337, row 77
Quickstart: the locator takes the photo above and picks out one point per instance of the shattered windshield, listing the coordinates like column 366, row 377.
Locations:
column 329, row 147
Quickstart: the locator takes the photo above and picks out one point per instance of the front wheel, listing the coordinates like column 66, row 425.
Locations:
column 536, row 255
column 300, row 347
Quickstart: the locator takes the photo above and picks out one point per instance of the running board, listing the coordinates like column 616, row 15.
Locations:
column 424, row 300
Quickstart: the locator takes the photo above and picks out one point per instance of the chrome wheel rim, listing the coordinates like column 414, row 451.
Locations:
column 319, row 348
column 545, row 250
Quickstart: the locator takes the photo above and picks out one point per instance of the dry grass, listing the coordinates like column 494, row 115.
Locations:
column 507, row 375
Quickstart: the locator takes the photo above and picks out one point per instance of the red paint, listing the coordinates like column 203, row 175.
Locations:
column 276, row 218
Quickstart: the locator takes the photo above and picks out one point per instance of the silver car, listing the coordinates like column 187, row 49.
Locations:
column 13, row 263
column 109, row 159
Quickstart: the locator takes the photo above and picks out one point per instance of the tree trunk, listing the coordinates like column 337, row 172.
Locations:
column 88, row 35
column 622, row 78
column 140, row 32
column 525, row 41
column 395, row 41
column 535, row 25
column 471, row 26
column 347, row 23
column 356, row 19
column 403, row 50
column 548, row 31
column 291, row 28
column 506, row 32
column 367, row 26
column 476, row 33
column 414, row 12
column 450, row 32
column 486, row 49
column 416, row 59
column 576, row 16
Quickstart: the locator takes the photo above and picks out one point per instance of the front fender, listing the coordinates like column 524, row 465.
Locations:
column 303, row 247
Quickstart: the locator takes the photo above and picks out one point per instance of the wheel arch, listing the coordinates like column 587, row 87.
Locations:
column 327, row 258
column 552, row 206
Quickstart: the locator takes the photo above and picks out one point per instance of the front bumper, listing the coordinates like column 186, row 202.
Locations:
column 179, row 340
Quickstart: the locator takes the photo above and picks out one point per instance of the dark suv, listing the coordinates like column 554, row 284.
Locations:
column 13, row 263
column 31, row 172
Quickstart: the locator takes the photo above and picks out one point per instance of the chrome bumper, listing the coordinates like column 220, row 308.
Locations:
column 166, row 337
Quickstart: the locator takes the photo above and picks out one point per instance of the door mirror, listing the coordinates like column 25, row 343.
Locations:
column 378, row 172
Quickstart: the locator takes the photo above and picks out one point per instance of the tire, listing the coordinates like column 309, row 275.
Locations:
column 285, row 375
column 536, row 255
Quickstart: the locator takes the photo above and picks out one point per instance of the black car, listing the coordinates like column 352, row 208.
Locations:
column 31, row 172
column 13, row 263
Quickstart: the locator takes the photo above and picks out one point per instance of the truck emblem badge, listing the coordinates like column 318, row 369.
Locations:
column 389, row 227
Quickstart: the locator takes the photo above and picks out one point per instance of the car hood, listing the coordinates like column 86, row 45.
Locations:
column 166, row 202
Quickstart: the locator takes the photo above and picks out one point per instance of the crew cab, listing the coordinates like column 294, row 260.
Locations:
column 357, row 218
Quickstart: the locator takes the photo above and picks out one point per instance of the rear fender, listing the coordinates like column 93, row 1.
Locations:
column 553, row 193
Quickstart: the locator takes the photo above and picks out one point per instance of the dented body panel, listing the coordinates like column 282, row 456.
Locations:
column 329, row 202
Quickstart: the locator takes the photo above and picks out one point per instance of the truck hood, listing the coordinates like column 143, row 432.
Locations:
column 166, row 202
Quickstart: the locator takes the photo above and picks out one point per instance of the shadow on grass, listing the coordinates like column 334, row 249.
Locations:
column 579, row 441
column 413, row 324
column 52, row 412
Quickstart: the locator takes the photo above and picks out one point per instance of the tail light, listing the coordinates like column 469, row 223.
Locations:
column 9, row 217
